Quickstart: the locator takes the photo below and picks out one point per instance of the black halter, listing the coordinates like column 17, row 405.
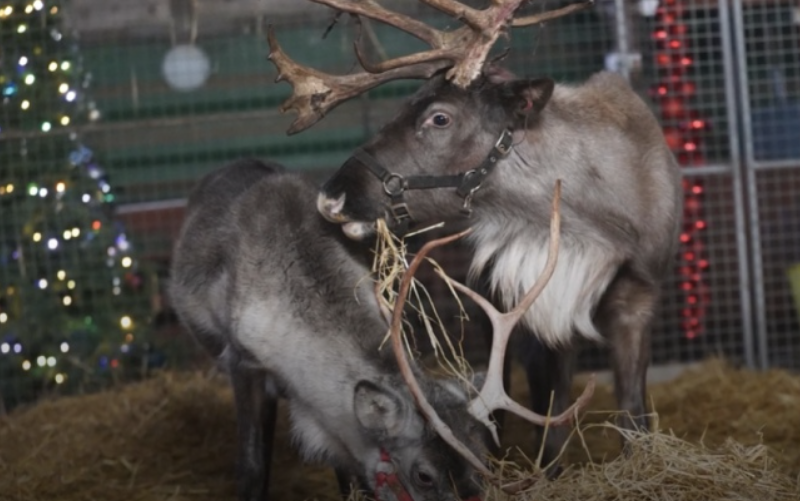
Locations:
column 466, row 183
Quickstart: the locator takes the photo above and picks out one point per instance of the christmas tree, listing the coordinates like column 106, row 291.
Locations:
column 73, row 303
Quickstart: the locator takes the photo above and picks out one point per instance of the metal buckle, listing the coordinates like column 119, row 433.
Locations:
column 401, row 186
column 400, row 211
column 499, row 146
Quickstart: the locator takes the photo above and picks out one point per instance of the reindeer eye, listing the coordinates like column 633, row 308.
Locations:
column 422, row 479
column 440, row 120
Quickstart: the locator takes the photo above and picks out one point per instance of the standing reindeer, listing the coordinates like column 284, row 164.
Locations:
column 477, row 141
column 279, row 296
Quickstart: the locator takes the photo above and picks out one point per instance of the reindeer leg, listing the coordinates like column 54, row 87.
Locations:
column 256, row 415
column 625, row 317
column 549, row 372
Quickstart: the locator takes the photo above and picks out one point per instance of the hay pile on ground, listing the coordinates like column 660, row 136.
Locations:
column 172, row 438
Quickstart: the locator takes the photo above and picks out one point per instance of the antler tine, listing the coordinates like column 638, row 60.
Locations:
column 373, row 10
column 424, row 406
column 550, row 15
column 316, row 93
column 492, row 395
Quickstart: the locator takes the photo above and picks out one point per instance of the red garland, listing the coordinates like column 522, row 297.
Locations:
column 683, row 129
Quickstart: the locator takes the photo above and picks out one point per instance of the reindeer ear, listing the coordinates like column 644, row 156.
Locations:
column 527, row 97
column 379, row 410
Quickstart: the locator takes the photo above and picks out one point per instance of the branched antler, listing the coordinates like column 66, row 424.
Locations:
column 463, row 51
column 492, row 396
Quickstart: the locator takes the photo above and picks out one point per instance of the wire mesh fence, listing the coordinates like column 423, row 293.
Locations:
column 164, row 93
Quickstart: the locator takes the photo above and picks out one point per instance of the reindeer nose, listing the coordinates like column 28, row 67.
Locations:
column 331, row 208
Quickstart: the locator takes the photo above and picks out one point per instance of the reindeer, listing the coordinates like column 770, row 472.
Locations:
column 280, row 298
column 477, row 141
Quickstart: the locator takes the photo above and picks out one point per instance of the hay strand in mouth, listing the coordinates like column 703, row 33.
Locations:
column 390, row 262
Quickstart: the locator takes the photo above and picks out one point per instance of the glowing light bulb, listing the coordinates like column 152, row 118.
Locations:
column 52, row 244
column 71, row 96
column 9, row 188
column 63, row 88
column 65, row 120
column 22, row 28
column 67, row 234
column 76, row 232
column 26, row 365
column 41, row 360
column 33, row 190
column 42, row 192
column 61, row 274
column 126, row 322
column 53, row 66
column 23, row 61
column 126, row 262
column 64, row 347
column 46, row 126
column 51, row 361
column 66, row 65
column 71, row 284
column 3, row 317
column 28, row 9
column 59, row 378
column 17, row 348
column 5, row 348
column 38, row 4
column 25, row 104
column 67, row 300
column 86, row 198
column 30, row 79
column 42, row 283
column 37, row 237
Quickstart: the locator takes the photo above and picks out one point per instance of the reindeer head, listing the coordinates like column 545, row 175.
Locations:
column 454, row 128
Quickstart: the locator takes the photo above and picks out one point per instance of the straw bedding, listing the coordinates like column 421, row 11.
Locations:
column 172, row 438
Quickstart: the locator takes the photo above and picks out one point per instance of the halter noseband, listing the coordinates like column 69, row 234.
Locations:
column 466, row 183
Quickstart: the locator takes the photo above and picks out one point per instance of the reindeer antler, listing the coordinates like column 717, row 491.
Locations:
column 492, row 395
column 463, row 50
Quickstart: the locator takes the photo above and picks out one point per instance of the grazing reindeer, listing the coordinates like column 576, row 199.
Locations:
column 278, row 295
column 475, row 140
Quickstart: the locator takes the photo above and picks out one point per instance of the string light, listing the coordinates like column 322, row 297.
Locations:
column 673, row 61
column 52, row 244
column 126, row 322
column 51, row 361
column 25, row 104
column 71, row 284
column 37, row 237
column 64, row 347
column 60, row 378
column 41, row 360
column 76, row 232
column 60, row 187
column 5, row 348
column 126, row 262
column 67, row 300
column 3, row 317
column 26, row 365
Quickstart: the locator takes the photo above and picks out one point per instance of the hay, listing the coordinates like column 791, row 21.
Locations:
column 172, row 438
